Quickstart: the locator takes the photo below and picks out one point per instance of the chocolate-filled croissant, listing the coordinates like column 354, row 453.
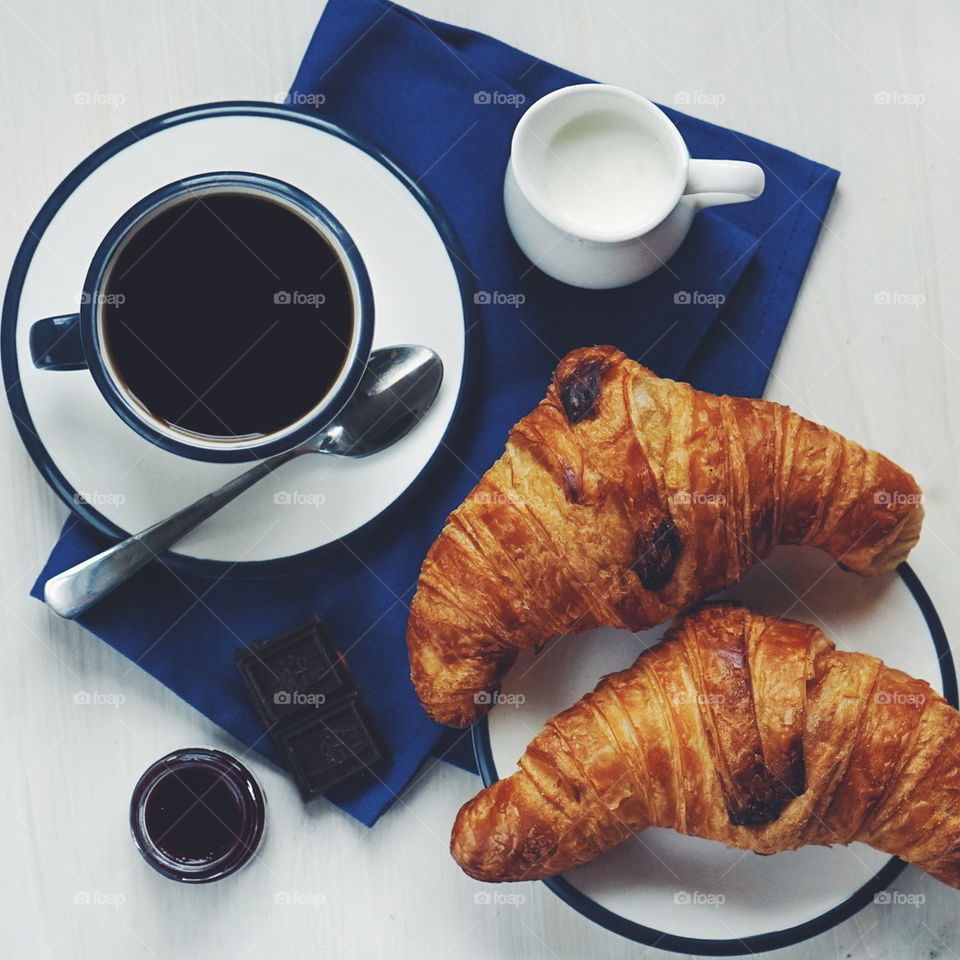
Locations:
column 739, row 728
column 623, row 499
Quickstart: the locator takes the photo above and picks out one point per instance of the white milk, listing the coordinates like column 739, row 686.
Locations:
column 605, row 171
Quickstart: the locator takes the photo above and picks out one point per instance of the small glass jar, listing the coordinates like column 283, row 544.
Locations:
column 197, row 815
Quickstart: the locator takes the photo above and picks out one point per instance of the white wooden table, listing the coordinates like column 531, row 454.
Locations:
column 873, row 349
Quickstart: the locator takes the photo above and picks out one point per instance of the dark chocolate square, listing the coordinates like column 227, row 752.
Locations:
column 297, row 672
column 324, row 748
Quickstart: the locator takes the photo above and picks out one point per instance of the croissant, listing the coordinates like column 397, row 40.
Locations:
column 623, row 499
column 739, row 728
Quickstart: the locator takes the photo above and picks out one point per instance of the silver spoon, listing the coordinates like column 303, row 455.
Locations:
column 397, row 388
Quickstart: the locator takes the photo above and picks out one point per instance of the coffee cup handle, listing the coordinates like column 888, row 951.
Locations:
column 712, row 182
column 55, row 343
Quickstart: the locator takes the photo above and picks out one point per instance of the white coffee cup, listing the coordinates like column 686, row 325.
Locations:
column 600, row 189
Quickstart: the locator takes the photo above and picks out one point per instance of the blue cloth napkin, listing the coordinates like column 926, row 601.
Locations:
column 444, row 102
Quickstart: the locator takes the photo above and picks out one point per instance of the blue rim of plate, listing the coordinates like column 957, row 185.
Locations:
column 11, row 304
column 762, row 942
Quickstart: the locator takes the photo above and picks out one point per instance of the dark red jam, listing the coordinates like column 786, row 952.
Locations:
column 197, row 815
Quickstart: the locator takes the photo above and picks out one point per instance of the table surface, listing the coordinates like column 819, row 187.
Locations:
column 873, row 349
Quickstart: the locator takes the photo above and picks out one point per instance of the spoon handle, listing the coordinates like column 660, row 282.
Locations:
column 75, row 590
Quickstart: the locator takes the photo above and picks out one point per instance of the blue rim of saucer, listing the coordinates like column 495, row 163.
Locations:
column 759, row 943
column 227, row 569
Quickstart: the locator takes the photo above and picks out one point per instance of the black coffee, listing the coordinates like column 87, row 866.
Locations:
column 228, row 315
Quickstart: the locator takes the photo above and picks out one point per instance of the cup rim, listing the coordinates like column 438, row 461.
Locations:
column 226, row 449
column 534, row 194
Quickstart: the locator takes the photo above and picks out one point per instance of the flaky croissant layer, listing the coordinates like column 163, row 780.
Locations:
column 739, row 728
column 623, row 499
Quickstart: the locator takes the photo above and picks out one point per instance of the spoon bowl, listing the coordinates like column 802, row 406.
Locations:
column 397, row 388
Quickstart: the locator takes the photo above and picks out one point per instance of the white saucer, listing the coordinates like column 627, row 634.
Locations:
column 120, row 482
column 664, row 889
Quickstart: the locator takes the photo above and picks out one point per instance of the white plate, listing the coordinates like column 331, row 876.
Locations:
column 120, row 482
column 662, row 888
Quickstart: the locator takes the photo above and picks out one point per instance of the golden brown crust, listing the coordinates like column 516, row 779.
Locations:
column 623, row 499
column 791, row 743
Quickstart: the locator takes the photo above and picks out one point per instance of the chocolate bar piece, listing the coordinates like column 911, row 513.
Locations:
column 307, row 700
column 296, row 672
column 329, row 746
